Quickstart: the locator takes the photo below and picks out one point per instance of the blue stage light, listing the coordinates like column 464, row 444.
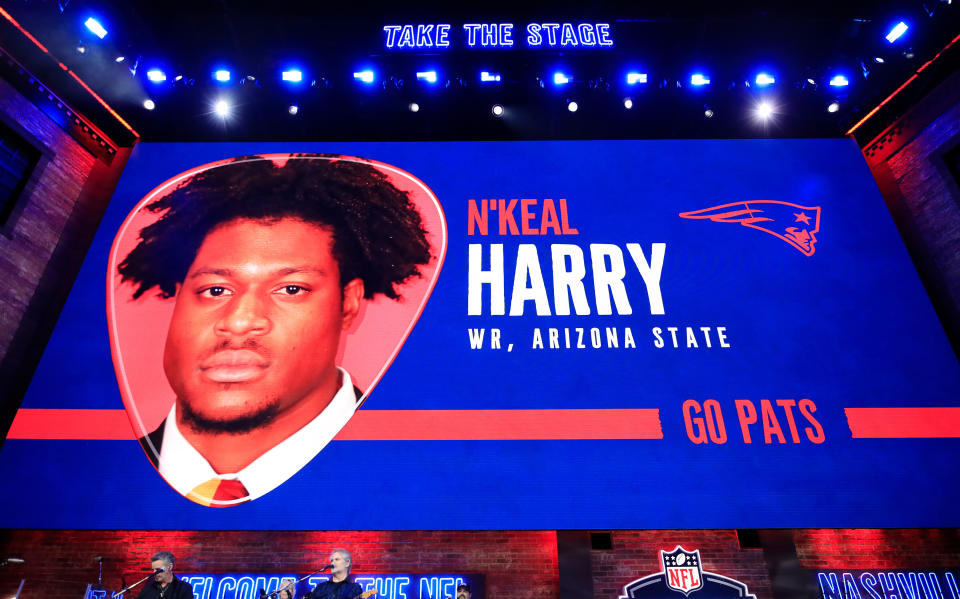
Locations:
column 634, row 78
column 839, row 81
column 292, row 76
column 94, row 26
column 428, row 76
column 898, row 30
column 699, row 79
column 364, row 76
column 560, row 79
column 488, row 77
column 763, row 80
column 156, row 76
column 222, row 75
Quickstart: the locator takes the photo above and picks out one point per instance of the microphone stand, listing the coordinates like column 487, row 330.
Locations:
column 120, row 593
column 273, row 594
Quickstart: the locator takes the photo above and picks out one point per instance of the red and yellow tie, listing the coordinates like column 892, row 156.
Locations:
column 216, row 491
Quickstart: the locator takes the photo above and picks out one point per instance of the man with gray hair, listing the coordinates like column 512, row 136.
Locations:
column 339, row 586
column 164, row 584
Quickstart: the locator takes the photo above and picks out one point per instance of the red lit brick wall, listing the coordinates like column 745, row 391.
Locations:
column 636, row 553
column 515, row 564
column 25, row 253
column 43, row 243
column 931, row 199
column 923, row 197
column 869, row 549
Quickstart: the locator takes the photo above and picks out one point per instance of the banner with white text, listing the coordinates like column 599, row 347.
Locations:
column 492, row 335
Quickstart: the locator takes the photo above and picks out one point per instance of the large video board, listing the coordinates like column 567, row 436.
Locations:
column 524, row 335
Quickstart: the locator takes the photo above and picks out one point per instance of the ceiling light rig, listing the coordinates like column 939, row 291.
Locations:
column 828, row 86
column 892, row 42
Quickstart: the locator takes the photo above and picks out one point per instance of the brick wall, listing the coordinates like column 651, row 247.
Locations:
column 25, row 253
column 906, row 160
column 636, row 553
column 515, row 564
column 43, row 244
column 878, row 548
column 930, row 198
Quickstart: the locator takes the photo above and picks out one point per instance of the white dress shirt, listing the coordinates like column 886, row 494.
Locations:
column 184, row 468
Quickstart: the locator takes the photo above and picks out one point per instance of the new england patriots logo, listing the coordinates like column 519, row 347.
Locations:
column 795, row 224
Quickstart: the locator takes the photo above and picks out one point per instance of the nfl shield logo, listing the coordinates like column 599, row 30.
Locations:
column 681, row 570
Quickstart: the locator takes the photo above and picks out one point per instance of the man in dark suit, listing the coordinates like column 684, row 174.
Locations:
column 164, row 584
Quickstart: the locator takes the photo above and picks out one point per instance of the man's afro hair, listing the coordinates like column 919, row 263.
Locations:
column 378, row 235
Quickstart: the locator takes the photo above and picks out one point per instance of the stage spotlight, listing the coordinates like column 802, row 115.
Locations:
column 572, row 106
column 119, row 59
column 488, row 77
column 811, row 81
column 699, row 79
column 897, row 32
column 222, row 108
column 497, row 110
column 560, row 79
column 81, row 48
column 413, row 107
column 708, row 112
column 833, row 106
column 878, row 59
column 156, row 76
column 628, row 103
column 764, row 80
column 95, row 26
column 634, row 78
column 222, row 75
column 293, row 109
column 149, row 104
column 364, row 76
column 764, row 111
column 292, row 76
column 839, row 81
column 428, row 76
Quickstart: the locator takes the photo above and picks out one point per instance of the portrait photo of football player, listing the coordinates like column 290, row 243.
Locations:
column 267, row 263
